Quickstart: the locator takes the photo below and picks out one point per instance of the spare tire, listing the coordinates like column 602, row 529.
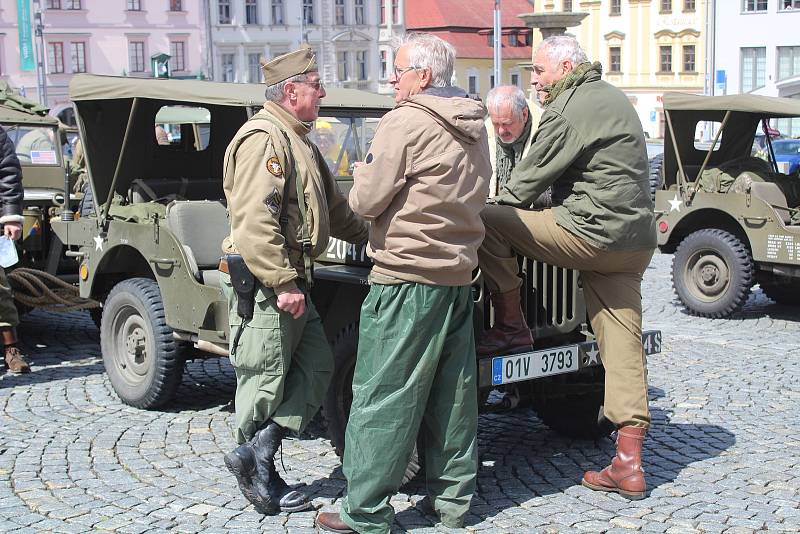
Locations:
column 656, row 174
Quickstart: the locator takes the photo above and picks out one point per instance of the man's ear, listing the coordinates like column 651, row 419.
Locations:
column 425, row 78
column 290, row 91
column 566, row 66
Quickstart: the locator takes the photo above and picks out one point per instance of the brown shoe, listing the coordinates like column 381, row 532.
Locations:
column 625, row 475
column 510, row 333
column 15, row 361
column 331, row 522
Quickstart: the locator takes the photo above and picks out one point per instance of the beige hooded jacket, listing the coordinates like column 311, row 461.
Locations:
column 423, row 187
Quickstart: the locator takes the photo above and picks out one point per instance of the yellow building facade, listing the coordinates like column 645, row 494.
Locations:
column 476, row 76
column 647, row 47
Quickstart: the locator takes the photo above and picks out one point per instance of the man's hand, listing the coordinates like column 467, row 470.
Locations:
column 293, row 302
column 12, row 230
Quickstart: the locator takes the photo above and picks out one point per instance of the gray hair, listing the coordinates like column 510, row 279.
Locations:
column 507, row 94
column 274, row 92
column 561, row 47
column 428, row 51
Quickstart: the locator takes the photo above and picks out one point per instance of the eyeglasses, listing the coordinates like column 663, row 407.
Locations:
column 400, row 72
column 317, row 85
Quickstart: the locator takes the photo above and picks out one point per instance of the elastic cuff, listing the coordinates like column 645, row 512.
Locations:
column 12, row 218
column 285, row 288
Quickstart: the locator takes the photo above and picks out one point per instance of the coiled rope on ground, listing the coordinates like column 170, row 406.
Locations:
column 37, row 289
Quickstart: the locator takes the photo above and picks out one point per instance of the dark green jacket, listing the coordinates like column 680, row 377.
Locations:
column 590, row 147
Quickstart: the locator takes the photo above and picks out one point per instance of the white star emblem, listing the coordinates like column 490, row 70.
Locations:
column 98, row 243
column 593, row 354
column 675, row 204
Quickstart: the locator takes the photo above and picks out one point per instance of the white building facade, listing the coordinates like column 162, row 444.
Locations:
column 344, row 34
column 391, row 26
column 757, row 51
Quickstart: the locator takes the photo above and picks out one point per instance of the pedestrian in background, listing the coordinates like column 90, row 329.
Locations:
column 591, row 148
column 423, row 187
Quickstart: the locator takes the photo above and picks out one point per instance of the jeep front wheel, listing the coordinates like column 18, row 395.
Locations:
column 712, row 273
column 139, row 352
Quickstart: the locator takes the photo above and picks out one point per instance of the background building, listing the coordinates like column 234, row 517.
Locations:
column 647, row 47
column 344, row 34
column 392, row 25
column 467, row 25
column 102, row 37
column 757, row 50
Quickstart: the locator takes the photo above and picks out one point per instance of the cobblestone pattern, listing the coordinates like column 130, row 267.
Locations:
column 723, row 454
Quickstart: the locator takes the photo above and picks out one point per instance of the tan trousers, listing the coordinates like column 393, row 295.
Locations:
column 8, row 311
column 612, row 287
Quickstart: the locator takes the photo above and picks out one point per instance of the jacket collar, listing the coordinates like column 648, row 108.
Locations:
column 289, row 120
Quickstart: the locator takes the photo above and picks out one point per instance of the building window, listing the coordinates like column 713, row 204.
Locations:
column 277, row 12
column 787, row 5
column 175, row 5
column 515, row 79
column 343, row 67
column 52, row 4
column 689, row 58
column 395, row 11
column 55, row 58
column 361, row 64
column 384, row 64
column 615, row 7
column 227, row 68
column 78, row 56
column 177, row 49
column 134, row 5
column 472, row 84
column 666, row 6
column 688, row 6
column 567, row 6
column 308, row 11
column 338, row 13
column 491, row 81
column 615, row 59
column 754, row 68
column 750, row 6
column 665, row 63
column 788, row 62
column 224, row 11
column 254, row 68
column 383, row 11
column 250, row 12
column 136, row 56
column 72, row 4
column 358, row 11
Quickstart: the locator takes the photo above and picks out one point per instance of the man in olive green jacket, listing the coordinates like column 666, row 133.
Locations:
column 280, row 354
column 590, row 147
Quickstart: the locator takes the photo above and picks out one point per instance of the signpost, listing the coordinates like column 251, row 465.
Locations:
column 498, row 57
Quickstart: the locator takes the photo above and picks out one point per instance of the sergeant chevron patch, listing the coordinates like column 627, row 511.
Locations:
column 273, row 201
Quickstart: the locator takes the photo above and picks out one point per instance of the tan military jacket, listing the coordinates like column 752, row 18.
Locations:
column 258, row 162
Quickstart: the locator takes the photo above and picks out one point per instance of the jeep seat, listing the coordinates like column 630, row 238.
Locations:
column 200, row 226
column 159, row 189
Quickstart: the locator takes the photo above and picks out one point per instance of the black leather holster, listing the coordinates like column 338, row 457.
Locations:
column 244, row 284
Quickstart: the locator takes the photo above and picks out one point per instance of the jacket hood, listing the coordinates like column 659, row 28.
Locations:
column 453, row 109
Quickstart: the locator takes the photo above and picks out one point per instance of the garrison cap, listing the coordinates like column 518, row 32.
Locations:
column 283, row 67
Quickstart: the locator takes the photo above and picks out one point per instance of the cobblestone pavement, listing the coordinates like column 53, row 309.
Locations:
column 722, row 456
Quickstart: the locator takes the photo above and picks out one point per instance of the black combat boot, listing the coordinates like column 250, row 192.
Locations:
column 241, row 462
column 268, row 483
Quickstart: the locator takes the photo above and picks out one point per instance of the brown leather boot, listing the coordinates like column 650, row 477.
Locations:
column 625, row 475
column 13, row 357
column 510, row 333
column 332, row 522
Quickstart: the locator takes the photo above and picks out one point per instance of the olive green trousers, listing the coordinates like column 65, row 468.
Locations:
column 283, row 365
column 612, row 287
column 415, row 375
column 9, row 317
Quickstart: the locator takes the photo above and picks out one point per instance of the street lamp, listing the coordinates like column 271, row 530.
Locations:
column 38, row 26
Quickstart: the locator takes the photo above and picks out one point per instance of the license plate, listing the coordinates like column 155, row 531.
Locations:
column 507, row 369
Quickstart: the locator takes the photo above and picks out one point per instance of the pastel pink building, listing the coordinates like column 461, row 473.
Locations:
column 116, row 37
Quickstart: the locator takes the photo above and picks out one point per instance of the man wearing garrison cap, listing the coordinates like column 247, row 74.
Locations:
column 283, row 204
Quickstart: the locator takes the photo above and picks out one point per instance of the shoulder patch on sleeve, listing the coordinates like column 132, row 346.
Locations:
column 370, row 157
column 273, row 201
column 274, row 166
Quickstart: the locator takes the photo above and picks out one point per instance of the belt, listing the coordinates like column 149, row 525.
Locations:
column 223, row 265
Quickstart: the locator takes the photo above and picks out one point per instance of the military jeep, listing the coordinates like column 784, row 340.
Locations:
column 731, row 220
column 150, row 249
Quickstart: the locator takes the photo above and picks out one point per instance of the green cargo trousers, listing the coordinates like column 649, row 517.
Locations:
column 283, row 365
column 612, row 287
column 415, row 374
column 8, row 311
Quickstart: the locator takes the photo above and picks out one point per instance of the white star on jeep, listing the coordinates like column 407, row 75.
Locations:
column 98, row 243
column 592, row 354
column 675, row 204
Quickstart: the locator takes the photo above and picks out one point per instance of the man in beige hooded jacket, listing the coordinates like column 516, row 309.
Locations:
column 423, row 186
